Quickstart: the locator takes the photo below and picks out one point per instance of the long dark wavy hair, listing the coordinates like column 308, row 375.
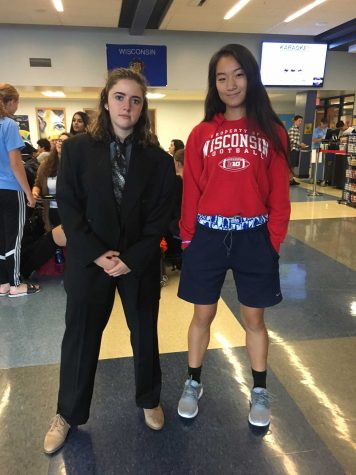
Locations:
column 85, row 119
column 102, row 129
column 51, row 163
column 259, row 110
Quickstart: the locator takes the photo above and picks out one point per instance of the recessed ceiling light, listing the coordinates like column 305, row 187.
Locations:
column 304, row 10
column 155, row 95
column 235, row 9
column 53, row 93
column 58, row 5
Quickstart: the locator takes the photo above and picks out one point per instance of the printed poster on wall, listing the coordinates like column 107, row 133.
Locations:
column 24, row 127
column 149, row 60
column 50, row 122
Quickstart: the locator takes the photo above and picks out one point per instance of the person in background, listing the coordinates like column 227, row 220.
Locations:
column 52, row 141
column 80, row 123
column 174, row 251
column 172, row 254
column 235, row 215
column 46, row 182
column 114, row 194
column 28, row 156
column 43, row 149
column 341, row 127
column 171, row 243
column 319, row 134
column 28, row 152
column 295, row 144
column 179, row 163
column 36, row 252
column 14, row 187
column 175, row 145
column 348, row 129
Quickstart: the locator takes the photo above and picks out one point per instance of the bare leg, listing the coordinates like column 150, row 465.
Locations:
column 199, row 333
column 22, row 288
column 4, row 288
column 256, row 336
column 59, row 237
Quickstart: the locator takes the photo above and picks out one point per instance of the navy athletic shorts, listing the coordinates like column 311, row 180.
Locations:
column 248, row 253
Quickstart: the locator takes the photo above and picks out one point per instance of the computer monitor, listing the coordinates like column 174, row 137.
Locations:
column 332, row 134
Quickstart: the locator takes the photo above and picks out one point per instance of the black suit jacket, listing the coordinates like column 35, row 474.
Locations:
column 87, row 204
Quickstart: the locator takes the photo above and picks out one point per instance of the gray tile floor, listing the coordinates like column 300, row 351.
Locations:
column 311, row 368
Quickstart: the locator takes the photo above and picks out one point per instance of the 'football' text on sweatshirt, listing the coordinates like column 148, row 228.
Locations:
column 230, row 170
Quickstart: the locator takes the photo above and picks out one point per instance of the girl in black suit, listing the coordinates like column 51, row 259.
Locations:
column 114, row 194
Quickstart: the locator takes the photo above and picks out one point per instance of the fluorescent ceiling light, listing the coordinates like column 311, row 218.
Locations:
column 235, row 9
column 304, row 10
column 53, row 93
column 154, row 95
column 58, row 5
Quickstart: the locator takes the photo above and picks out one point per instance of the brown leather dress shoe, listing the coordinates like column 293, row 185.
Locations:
column 154, row 418
column 56, row 436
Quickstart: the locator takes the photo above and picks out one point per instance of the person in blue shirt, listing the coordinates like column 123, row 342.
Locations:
column 319, row 134
column 14, row 187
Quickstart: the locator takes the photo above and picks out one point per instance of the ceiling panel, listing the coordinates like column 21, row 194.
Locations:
column 259, row 16
column 90, row 13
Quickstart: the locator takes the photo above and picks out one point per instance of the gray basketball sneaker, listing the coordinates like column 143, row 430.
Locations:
column 260, row 414
column 188, row 403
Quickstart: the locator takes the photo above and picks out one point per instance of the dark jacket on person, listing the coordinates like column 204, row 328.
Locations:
column 88, row 210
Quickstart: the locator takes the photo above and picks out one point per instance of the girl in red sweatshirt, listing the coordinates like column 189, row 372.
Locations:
column 235, row 215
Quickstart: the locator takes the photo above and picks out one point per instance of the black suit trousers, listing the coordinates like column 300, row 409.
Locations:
column 90, row 298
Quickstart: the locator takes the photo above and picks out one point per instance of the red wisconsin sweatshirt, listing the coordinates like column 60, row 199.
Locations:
column 230, row 170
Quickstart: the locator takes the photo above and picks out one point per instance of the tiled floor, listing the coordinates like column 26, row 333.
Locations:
column 311, row 373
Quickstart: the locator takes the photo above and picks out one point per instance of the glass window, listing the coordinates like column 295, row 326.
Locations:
column 332, row 114
column 319, row 114
column 347, row 119
column 334, row 101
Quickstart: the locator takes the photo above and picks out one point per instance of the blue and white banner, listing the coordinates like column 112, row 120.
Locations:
column 151, row 61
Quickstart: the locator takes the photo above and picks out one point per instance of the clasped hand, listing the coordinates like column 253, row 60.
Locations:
column 112, row 264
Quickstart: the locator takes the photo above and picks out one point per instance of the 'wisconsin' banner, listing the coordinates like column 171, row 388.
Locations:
column 151, row 61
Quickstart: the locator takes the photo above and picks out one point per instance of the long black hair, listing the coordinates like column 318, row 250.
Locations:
column 85, row 118
column 102, row 129
column 259, row 110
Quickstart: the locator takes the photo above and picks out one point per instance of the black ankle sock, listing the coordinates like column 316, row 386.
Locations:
column 259, row 378
column 194, row 373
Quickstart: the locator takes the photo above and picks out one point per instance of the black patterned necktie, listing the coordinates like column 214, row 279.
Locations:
column 119, row 171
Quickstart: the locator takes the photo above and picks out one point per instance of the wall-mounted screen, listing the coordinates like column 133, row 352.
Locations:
column 293, row 64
